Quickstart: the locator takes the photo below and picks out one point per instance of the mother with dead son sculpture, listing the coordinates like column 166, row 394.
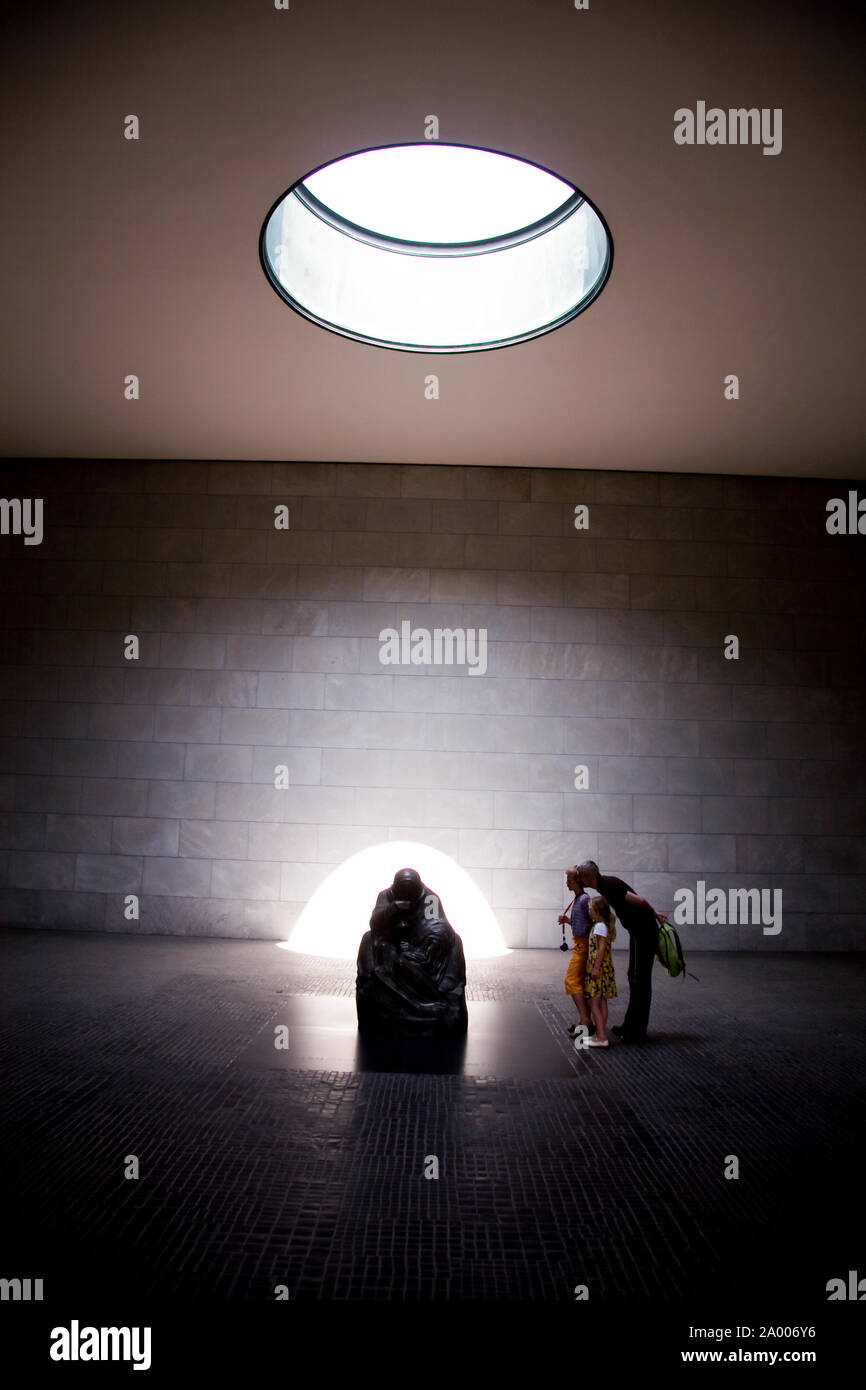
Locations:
column 411, row 978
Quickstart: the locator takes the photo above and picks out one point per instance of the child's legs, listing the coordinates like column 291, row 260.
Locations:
column 599, row 1016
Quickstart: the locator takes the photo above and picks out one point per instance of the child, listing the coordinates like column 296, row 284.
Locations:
column 600, row 979
column 577, row 916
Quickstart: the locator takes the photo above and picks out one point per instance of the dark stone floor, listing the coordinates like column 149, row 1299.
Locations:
column 608, row 1172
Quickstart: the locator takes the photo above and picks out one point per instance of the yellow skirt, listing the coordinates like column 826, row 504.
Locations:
column 574, row 976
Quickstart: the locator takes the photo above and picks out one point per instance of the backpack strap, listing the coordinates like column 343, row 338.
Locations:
column 676, row 937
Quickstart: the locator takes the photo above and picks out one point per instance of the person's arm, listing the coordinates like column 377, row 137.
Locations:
column 637, row 901
column 453, row 980
column 600, row 954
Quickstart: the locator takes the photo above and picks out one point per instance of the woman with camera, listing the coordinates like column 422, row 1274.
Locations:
column 577, row 916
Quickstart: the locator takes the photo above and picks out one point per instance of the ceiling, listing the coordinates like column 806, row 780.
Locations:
column 142, row 256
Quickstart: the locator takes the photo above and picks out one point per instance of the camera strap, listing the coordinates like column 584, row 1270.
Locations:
column 566, row 911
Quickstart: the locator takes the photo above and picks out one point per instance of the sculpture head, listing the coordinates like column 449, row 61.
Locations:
column 407, row 886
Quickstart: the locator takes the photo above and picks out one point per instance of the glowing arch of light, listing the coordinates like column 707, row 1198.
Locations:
column 338, row 913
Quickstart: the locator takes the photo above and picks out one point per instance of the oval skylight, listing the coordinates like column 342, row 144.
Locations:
column 435, row 248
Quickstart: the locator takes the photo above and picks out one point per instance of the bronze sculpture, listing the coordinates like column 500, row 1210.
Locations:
column 411, row 979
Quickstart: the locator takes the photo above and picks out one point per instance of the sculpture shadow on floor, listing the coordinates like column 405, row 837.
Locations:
column 424, row 1056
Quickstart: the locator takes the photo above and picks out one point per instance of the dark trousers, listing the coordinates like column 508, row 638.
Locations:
column 641, row 954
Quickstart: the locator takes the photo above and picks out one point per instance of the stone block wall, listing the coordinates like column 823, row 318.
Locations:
column 261, row 646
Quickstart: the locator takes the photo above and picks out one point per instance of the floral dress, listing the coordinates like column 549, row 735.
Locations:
column 605, row 986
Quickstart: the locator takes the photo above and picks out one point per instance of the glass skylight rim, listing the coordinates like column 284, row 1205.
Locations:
column 437, row 349
column 402, row 246
column 436, row 148
column 375, row 240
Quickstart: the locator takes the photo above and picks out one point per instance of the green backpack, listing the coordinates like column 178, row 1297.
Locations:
column 669, row 952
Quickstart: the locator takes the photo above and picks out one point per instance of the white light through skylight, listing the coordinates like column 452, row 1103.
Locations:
column 436, row 248
column 438, row 193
